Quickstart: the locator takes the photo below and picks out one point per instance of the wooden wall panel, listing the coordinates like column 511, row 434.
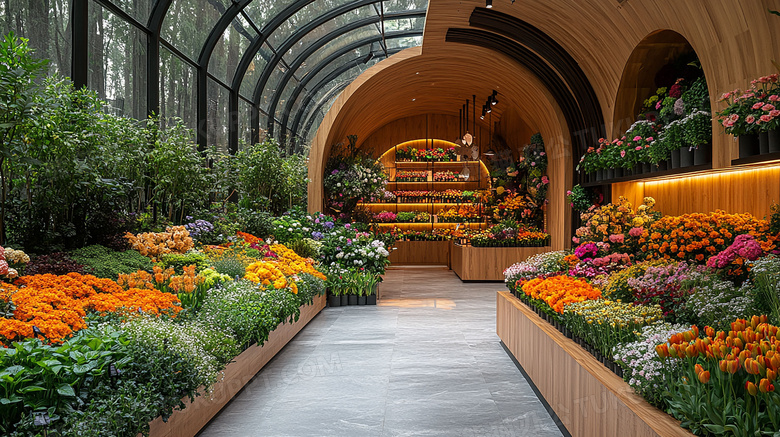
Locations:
column 745, row 190
column 589, row 399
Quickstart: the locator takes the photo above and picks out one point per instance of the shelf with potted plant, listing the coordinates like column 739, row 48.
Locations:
column 676, row 139
column 753, row 118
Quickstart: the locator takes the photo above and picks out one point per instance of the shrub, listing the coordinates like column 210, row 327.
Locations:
column 306, row 248
column 57, row 263
column 231, row 266
column 180, row 260
column 106, row 263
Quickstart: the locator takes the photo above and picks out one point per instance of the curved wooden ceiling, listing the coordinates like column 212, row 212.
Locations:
column 735, row 41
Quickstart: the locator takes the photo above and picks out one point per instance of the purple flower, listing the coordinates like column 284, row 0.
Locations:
column 334, row 172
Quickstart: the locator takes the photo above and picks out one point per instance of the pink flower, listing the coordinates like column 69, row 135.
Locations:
column 774, row 113
column 622, row 153
column 636, row 232
column 766, row 118
column 758, row 105
column 658, row 106
column 650, row 138
column 768, row 107
column 638, row 148
column 617, row 238
column 637, row 138
column 774, row 98
column 545, row 180
column 575, row 240
column 3, row 267
column 734, row 117
column 725, row 96
column 750, row 119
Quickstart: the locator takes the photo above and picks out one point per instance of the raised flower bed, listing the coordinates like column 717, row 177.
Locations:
column 197, row 414
column 588, row 398
column 672, row 304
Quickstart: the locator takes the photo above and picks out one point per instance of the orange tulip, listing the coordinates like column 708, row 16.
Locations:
column 751, row 388
column 733, row 366
column 771, row 375
column 662, row 350
column 698, row 368
column 765, row 386
column 704, row 377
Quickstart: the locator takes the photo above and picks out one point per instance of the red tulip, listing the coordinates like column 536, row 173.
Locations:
column 765, row 386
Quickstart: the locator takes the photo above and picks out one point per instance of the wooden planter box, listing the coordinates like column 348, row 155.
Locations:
column 488, row 263
column 587, row 398
column 421, row 253
column 189, row 421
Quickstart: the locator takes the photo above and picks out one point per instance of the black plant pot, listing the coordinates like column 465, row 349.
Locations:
column 763, row 142
column 353, row 299
column 344, row 300
column 645, row 167
column 619, row 172
column 334, row 301
column 676, row 158
column 361, row 300
column 686, row 157
column 619, row 371
column 371, row 299
column 748, row 145
column 774, row 141
column 609, row 174
column 702, row 154
column 600, row 175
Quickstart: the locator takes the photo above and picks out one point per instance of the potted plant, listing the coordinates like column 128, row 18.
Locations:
column 697, row 135
column 334, row 300
column 371, row 291
column 750, row 113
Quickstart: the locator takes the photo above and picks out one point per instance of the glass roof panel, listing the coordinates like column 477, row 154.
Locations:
column 188, row 24
column 262, row 11
column 254, row 71
column 227, row 53
column 404, row 5
column 404, row 43
column 305, row 98
column 307, row 14
column 329, row 26
column 138, row 9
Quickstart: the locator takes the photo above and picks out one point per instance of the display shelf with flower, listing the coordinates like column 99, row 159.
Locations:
column 617, row 224
column 352, row 177
column 445, row 176
column 468, row 213
column 385, row 217
column 510, row 234
column 753, row 116
column 411, row 176
column 439, row 154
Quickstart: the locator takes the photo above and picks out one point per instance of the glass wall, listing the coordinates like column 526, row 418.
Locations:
column 231, row 70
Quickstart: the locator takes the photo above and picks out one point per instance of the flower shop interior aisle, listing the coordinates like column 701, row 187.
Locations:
column 426, row 361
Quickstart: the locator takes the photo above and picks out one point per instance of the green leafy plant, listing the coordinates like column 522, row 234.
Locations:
column 106, row 263
column 231, row 266
column 180, row 260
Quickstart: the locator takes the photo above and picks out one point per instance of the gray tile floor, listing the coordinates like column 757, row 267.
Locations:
column 425, row 362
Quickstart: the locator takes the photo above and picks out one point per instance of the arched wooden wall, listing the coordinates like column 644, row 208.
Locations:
column 734, row 39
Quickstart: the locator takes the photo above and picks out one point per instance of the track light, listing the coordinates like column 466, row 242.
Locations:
column 489, row 110
column 494, row 102
column 489, row 4
column 494, row 97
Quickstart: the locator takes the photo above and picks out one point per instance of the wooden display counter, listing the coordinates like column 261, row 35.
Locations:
column 189, row 421
column 488, row 263
column 589, row 399
column 421, row 253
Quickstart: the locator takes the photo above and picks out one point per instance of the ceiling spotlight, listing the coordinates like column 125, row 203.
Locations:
column 493, row 102
column 489, row 110
column 489, row 4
